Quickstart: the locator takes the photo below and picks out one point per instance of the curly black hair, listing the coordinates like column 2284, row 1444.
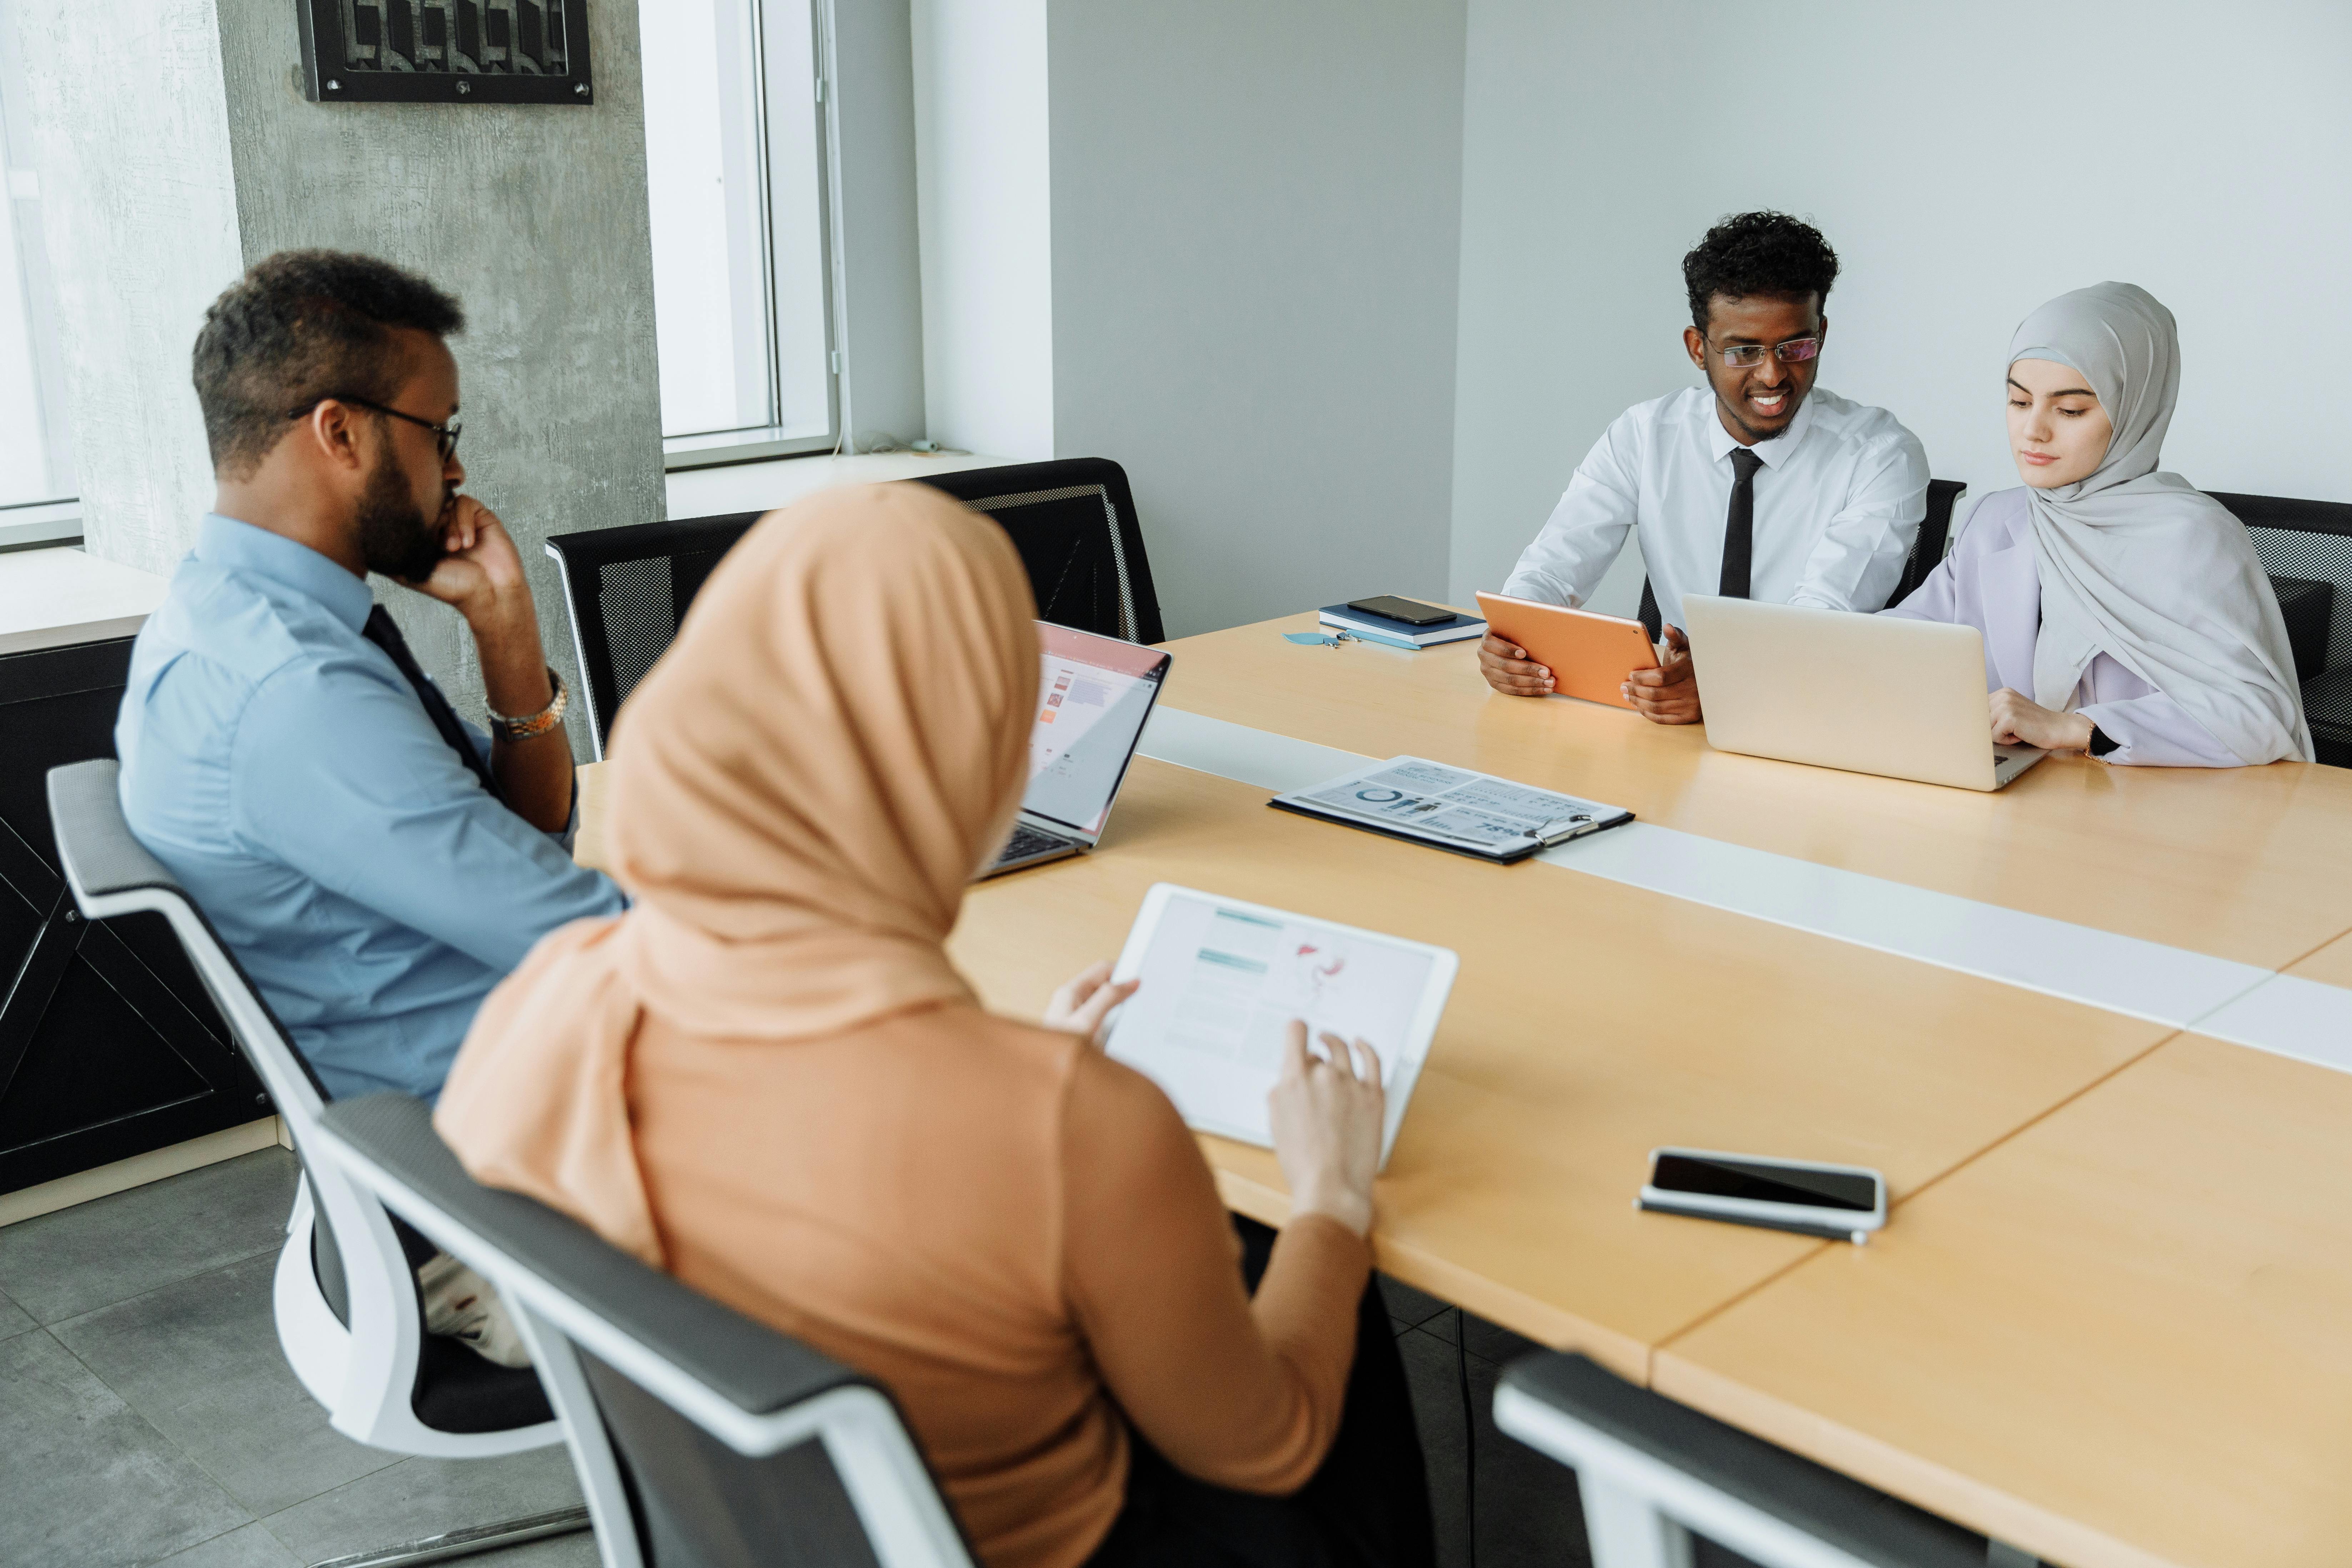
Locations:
column 1759, row 253
column 300, row 326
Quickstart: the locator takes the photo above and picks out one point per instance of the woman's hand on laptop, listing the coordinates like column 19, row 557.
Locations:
column 1668, row 694
column 1326, row 1113
column 2019, row 720
column 1508, row 669
column 1085, row 1001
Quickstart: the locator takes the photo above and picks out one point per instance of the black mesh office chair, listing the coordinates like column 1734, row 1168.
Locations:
column 1927, row 551
column 1074, row 522
column 1652, row 1473
column 627, row 589
column 738, row 1447
column 2306, row 548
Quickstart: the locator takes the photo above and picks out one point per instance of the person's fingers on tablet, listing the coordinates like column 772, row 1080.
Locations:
column 1369, row 1068
column 1295, row 1060
column 1334, row 1051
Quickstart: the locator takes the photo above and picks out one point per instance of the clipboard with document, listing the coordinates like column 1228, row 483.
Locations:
column 1446, row 808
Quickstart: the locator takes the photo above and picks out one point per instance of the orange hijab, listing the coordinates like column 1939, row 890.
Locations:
column 802, row 789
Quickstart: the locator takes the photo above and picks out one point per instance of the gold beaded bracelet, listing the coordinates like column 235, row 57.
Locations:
column 539, row 723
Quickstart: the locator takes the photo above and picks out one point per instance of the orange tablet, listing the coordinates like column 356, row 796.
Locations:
column 1588, row 654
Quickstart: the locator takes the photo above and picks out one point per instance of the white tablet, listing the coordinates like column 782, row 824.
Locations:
column 1222, row 979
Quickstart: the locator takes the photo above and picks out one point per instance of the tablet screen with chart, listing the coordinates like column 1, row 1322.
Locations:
column 1222, row 980
column 1094, row 694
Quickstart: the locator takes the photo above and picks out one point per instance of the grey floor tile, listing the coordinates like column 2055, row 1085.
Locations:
column 1408, row 1305
column 1527, row 1505
column 1446, row 1325
column 417, row 1498
column 95, row 1254
column 13, row 1320
column 105, row 1490
column 251, row 1547
column 1494, row 1342
column 200, row 1360
column 556, row 1551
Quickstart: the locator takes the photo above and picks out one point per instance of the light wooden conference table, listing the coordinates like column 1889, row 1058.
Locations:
column 2110, row 1322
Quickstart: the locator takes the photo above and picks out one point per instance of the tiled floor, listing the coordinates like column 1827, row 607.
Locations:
column 147, row 1416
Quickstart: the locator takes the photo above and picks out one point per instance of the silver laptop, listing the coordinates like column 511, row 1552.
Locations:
column 1093, row 699
column 1871, row 694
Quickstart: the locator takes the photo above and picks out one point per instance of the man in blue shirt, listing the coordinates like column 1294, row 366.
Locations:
column 375, row 864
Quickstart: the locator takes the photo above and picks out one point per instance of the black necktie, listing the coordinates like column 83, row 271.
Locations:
column 382, row 631
column 1739, row 524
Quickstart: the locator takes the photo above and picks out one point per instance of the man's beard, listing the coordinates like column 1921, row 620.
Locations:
column 395, row 539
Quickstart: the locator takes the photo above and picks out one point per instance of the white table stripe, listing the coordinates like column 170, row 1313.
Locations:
column 2168, row 986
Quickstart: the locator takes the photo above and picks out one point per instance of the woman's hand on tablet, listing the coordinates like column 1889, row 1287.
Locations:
column 1508, row 669
column 1085, row 1001
column 1668, row 694
column 2019, row 720
column 1326, row 1113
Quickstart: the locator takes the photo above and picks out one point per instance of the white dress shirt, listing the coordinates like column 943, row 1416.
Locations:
column 1838, row 502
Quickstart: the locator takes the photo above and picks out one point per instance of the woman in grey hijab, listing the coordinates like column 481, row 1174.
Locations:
column 2128, row 604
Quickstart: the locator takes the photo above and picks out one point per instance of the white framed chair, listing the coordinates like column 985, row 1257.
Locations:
column 1652, row 1473
column 740, row 1446
column 345, row 1295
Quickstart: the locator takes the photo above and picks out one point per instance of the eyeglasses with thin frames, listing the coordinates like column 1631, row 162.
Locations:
column 446, row 434
column 1796, row 351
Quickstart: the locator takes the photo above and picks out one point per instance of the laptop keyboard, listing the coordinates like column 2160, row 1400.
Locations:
column 1028, row 841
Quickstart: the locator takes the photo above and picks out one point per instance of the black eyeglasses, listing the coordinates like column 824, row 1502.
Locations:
column 446, row 434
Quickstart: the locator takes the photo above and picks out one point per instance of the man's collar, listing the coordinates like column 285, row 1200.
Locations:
column 241, row 547
column 1776, row 451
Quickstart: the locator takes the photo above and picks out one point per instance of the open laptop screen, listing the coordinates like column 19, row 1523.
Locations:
column 1092, row 701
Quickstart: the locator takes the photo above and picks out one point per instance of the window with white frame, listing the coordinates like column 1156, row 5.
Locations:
column 37, row 465
column 735, row 166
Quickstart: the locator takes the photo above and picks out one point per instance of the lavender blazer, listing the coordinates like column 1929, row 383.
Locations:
column 1992, row 580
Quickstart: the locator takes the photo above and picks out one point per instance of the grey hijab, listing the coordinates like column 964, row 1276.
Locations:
column 2142, row 565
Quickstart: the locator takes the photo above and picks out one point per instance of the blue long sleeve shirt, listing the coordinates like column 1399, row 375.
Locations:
column 283, row 769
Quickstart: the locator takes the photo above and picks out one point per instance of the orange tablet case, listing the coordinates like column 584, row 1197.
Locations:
column 1588, row 654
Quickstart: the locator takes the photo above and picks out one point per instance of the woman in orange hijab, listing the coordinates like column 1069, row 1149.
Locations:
column 767, row 1079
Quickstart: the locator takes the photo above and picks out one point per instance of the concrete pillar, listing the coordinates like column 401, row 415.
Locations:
column 175, row 148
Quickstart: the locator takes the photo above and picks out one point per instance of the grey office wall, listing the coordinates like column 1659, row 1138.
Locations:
column 535, row 216
column 1255, row 235
column 1968, row 161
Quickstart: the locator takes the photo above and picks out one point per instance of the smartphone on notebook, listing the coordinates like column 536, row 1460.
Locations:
column 1841, row 1202
column 1411, row 612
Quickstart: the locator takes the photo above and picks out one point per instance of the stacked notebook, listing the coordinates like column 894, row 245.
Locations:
column 1399, row 634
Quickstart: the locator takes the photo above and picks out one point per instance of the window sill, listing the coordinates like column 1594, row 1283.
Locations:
column 29, row 527
column 679, row 452
column 761, row 486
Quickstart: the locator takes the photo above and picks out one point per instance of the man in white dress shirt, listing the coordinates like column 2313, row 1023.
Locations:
column 1756, row 486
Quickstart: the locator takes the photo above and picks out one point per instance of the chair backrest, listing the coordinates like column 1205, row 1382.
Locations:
column 2306, row 548
column 627, row 589
column 1928, row 549
column 1652, row 1473
column 741, row 1448
column 364, row 1271
column 1935, row 538
column 1074, row 522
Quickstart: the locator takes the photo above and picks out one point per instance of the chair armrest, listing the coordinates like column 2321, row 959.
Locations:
column 1585, row 1414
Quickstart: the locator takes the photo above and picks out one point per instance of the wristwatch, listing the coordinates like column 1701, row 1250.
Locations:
column 538, row 723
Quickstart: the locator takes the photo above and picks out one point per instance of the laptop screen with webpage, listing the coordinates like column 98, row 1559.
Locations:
column 1092, row 700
